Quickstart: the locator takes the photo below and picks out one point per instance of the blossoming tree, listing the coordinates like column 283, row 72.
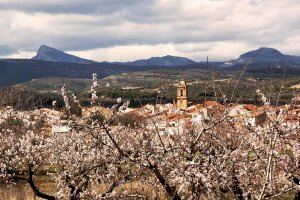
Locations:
column 210, row 158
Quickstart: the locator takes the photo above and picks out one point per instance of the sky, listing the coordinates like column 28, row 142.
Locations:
column 126, row 30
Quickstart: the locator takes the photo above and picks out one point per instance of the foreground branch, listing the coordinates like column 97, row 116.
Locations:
column 171, row 191
column 35, row 189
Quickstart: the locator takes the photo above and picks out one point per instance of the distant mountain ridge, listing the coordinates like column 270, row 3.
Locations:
column 46, row 53
column 265, row 55
column 163, row 61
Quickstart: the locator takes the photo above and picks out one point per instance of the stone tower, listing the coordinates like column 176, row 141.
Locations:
column 182, row 103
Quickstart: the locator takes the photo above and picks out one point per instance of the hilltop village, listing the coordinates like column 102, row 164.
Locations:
column 165, row 118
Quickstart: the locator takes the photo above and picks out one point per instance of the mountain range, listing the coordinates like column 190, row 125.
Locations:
column 46, row 53
column 261, row 55
column 50, row 62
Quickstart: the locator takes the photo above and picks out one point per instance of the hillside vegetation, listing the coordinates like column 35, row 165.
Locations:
column 159, row 86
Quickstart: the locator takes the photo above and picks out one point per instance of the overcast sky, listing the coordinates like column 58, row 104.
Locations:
column 125, row 30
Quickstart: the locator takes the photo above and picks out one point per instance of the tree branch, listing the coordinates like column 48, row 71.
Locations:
column 35, row 189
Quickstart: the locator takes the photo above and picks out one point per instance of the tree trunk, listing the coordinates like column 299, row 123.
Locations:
column 297, row 181
column 235, row 187
column 297, row 196
column 171, row 191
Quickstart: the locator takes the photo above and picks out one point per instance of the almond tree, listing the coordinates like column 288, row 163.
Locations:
column 212, row 157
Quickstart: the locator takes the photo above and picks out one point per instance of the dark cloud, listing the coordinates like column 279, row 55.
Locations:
column 87, row 7
column 81, row 25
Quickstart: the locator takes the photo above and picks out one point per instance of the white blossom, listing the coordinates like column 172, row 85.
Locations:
column 94, row 87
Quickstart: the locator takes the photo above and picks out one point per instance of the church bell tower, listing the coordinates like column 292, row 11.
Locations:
column 182, row 103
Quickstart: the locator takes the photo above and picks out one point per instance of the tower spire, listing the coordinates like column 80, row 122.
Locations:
column 182, row 102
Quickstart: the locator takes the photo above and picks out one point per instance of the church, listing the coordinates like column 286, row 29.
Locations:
column 182, row 101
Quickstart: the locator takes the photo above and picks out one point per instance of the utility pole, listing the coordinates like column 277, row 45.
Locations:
column 206, row 77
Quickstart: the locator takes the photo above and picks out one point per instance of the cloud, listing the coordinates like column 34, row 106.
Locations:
column 192, row 50
column 71, row 7
column 111, row 29
column 5, row 50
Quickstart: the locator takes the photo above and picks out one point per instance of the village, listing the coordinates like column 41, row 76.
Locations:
column 165, row 118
